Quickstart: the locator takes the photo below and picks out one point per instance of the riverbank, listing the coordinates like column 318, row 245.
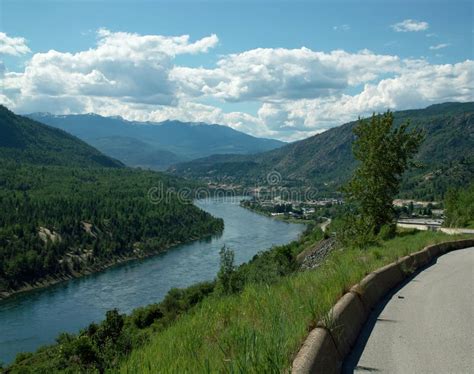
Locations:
column 282, row 218
column 141, row 324
column 29, row 321
column 54, row 279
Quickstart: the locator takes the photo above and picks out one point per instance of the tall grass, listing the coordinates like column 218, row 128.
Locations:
column 261, row 329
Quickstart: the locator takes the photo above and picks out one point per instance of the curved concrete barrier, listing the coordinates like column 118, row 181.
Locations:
column 368, row 290
column 344, row 322
column 407, row 265
column 318, row 354
column 327, row 345
column 375, row 285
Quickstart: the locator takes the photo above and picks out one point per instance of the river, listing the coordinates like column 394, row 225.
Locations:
column 29, row 320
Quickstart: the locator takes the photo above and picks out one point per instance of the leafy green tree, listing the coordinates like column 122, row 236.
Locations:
column 459, row 207
column 227, row 281
column 384, row 153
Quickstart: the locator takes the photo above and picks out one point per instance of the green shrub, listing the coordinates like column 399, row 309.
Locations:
column 354, row 231
column 144, row 317
column 388, row 231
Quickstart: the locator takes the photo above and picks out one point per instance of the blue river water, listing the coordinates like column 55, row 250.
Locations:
column 29, row 320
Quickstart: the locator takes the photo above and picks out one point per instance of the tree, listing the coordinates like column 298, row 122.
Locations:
column 459, row 207
column 227, row 280
column 384, row 153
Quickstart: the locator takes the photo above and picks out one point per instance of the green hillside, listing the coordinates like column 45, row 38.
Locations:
column 134, row 152
column 325, row 160
column 27, row 141
column 67, row 209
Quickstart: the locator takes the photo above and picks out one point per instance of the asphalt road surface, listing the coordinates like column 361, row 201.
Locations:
column 425, row 326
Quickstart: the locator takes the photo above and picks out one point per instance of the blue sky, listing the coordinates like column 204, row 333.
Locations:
column 434, row 34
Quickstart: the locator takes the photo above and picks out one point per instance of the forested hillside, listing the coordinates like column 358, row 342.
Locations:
column 67, row 208
column 325, row 160
column 59, row 220
column 25, row 140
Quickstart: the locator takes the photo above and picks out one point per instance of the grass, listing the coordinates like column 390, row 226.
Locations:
column 262, row 328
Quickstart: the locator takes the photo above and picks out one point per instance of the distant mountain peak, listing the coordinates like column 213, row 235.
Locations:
column 156, row 144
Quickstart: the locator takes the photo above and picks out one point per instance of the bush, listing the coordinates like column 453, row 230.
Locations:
column 144, row 317
column 83, row 348
column 388, row 232
column 180, row 300
column 354, row 231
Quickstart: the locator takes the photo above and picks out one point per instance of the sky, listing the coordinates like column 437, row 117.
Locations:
column 277, row 69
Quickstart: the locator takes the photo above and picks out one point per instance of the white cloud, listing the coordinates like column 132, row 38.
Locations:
column 138, row 46
column 14, row 46
column 132, row 67
column 299, row 91
column 267, row 74
column 418, row 85
column 343, row 27
column 410, row 25
column 439, row 46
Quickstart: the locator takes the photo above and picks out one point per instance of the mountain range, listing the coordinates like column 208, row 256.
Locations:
column 326, row 161
column 323, row 161
column 156, row 145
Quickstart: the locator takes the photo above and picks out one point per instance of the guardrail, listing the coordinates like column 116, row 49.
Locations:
column 326, row 347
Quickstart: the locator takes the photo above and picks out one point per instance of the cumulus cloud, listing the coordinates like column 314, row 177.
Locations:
column 417, row 86
column 299, row 91
column 132, row 67
column 14, row 46
column 283, row 74
column 135, row 46
column 439, row 46
column 410, row 25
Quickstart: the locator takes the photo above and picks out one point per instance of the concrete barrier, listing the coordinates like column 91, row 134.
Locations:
column 318, row 354
column 435, row 250
column 458, row 244
column 407, row 265
column 421, row 258
column 327, row 345
column 345, row 320
column 389, row 276
column 375, row 285
column 368, row 291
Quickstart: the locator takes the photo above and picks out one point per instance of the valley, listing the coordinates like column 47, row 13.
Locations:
column 152, row 145
column 235, row 187
column 100, row 238
column 325, row 161
column 25, row 324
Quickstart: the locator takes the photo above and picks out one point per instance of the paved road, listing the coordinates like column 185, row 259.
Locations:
column 325, row 224
column 426, row 326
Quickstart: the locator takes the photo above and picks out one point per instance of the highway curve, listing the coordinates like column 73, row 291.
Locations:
column 425, row 326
